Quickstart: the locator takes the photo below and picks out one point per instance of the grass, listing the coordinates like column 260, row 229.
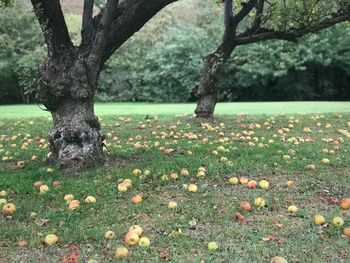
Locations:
column 256, row 108
column 202, row 217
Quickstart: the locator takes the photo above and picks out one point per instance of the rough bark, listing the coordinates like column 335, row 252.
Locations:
column 208, row 90
column 68, row 91
column 70, row 73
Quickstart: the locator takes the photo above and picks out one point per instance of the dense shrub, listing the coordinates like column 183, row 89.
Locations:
column 163, row 61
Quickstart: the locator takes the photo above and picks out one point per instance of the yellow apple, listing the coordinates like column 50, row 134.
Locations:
column 263, row 184
column 172, row 205
column 43, row 189
column 128, row 183
column 3, row 193
column 212, row 246
column 109, row 235
column 290, row 183
column 136, row 172
column 122, row 252
column 192, row 188
column 338, row 221
column 144, row 242
column 319, row 220
column 122, row 187
column 9, row 209
column 68, row 197
column 184, row 172
column 90, row 199
column 51, row 239
column 233, row 181
column 3, row 201
column 326, row 161
column 292, row 209
column 137, row 229
column 259, row 202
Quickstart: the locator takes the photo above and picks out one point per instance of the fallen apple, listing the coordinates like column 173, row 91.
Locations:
column 136, row 199
column 259, row 202
column 137, row 229
column 252, row 184
column 37, row 185
column 109, row 235
column 51, row 239
column 292, row 209
column 68, row 197
column 319, row 220
column 243, row 180
column 338, row 221
column 122, row 187
column 131, row 238
column 212, row 246
column 192, row 188
column 346, row 231
column 245, row 206
column 44, row 189
column 9, row 209
column 172, row 205
column 90, row 199
column 3, row 201
column 233, row 181
column 263, row 184
column 73, row 205
column 122, row 252
column 144, row 242
column 345, row 203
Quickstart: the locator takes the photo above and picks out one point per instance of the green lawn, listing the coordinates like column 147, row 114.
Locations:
column 277, row 150
column 30, row 111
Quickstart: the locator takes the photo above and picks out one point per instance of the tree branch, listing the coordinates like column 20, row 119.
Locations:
column 87, row 31
column 229, row 23
column 129, row 18
column 101, row 35
column 51, row 20
column 247, row 7
column 292, row 34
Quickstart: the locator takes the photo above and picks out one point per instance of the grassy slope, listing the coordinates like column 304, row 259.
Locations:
column 210, row 211
column 29, row 111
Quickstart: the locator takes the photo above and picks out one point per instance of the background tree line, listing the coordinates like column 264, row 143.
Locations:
column 162, row 62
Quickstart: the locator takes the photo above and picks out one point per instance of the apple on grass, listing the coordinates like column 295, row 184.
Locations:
column 131, row 238
column 144, row 242
column 136, row 199
column 109, row 235
column 137, row 229
column 9, row 209
column 345, row 203
column 90, row 199
column 122, row 252
column 338, row 221
column 319, row 220
column 172, row 205
column 51, row 239
column 263, row 184
column 212, row 246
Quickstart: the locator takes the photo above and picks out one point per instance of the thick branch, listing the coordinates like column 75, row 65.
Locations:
column 51, row 19
column 129, row 18
column 228, row 16
column 292, row 34
column 87, row 31
column 247, row 7
column 101, row 35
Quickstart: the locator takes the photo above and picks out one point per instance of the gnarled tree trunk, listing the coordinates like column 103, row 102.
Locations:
column 208, row 90
column 69, row 86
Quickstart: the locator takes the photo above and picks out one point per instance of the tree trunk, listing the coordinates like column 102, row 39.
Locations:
column 208, row 90
column 76, row 141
